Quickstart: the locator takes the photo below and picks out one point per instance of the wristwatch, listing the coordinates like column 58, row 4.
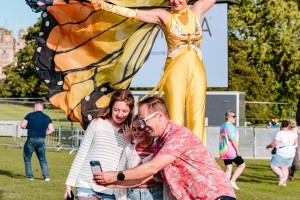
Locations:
column 121, row 176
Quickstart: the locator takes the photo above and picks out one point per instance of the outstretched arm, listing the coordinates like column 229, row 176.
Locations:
column 142, row 171
column 200, row 7
column 126, row 184
column 154, row 16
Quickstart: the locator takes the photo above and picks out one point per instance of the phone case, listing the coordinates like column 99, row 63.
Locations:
column 95, row 167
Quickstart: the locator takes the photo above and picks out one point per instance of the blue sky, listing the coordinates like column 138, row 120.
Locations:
column 16, row 14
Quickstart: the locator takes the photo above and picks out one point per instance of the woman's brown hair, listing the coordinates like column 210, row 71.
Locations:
column 119, row 95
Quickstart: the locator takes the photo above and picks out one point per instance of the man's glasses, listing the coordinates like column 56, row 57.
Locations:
column 233, row 116
column 143, row 122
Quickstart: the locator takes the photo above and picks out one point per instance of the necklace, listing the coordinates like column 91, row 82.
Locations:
column 182, row 15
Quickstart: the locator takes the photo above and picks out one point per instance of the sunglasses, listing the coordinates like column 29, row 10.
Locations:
column 143, row 122
column 233, row 116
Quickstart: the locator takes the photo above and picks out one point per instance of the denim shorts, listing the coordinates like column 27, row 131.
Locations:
column 151, row 193
column 279, row 161
column 88, row 192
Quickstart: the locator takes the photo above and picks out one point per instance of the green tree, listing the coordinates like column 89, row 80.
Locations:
column 264, row 54
column 21, row 79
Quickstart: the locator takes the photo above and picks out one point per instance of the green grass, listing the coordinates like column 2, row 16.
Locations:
column 256, row 183
column 13, row 184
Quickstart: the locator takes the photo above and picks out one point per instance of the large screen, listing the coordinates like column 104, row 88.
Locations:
column 214, row 48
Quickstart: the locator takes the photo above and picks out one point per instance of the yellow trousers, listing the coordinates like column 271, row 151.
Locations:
column 185, row 91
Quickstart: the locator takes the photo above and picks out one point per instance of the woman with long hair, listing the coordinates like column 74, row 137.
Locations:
column 103, row 141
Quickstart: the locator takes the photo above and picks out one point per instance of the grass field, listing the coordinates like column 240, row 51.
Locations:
column 17, row 112
column 256, row 183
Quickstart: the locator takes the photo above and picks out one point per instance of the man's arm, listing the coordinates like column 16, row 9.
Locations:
column 140, row 172
column 50, row 129
column 128, row 183
column 23, row 124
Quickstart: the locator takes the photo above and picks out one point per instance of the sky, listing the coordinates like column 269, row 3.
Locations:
column 16, row 14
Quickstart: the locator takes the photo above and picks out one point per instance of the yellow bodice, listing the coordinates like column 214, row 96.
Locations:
column 180, row 36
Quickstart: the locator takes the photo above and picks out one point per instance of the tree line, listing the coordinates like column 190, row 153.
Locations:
column 263, row 55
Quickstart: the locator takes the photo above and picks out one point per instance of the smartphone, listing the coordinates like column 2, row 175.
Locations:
column 96, row 167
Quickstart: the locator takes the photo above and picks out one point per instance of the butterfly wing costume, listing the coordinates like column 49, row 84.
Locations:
column 83, row 55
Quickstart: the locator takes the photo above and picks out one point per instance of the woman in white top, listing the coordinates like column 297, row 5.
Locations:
column 103, row 141
column 284, row 142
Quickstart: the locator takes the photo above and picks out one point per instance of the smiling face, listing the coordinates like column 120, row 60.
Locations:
column 178, row 4
column 119, row 113
column 139, row 133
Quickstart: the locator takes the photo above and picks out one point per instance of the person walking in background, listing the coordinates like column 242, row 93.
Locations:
column 284, row 142
column 274, row 123
column 187, row 167
column 229, row 150
column 103, row 141
column 38, row 125
column 295, row 163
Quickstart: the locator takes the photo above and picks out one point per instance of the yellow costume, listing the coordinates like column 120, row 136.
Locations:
column 184, row 78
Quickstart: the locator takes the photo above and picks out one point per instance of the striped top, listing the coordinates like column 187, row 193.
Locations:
column 144, row 152
column 102, row 142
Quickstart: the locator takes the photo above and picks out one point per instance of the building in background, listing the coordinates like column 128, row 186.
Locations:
column 9, row 47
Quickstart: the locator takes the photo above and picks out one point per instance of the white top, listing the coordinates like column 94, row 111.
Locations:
column 102, row 142
column 286, row 140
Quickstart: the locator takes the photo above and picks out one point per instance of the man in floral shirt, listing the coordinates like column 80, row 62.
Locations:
column 186, row 166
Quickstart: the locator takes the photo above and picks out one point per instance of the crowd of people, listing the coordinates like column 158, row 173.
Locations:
column 152, row 155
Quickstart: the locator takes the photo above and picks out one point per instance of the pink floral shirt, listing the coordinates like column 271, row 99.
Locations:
column 194, row 174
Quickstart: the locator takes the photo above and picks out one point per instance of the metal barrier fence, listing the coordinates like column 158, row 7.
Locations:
column 64, row 137
column 252, row 140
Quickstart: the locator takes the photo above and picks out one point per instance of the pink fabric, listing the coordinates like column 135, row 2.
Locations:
column 195, row 173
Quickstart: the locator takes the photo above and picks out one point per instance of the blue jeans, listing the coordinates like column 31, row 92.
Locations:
column 37, row 145
column 88, row 192
column 152, row 193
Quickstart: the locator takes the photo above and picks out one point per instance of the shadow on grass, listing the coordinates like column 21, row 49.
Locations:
column 252, row 174
column 257, row 179
column 258, row 167
column 12, row 175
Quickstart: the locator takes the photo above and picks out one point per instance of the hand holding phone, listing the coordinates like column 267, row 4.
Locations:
column 95, row 167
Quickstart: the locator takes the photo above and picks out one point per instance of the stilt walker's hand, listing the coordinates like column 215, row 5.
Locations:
column 125, row 12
